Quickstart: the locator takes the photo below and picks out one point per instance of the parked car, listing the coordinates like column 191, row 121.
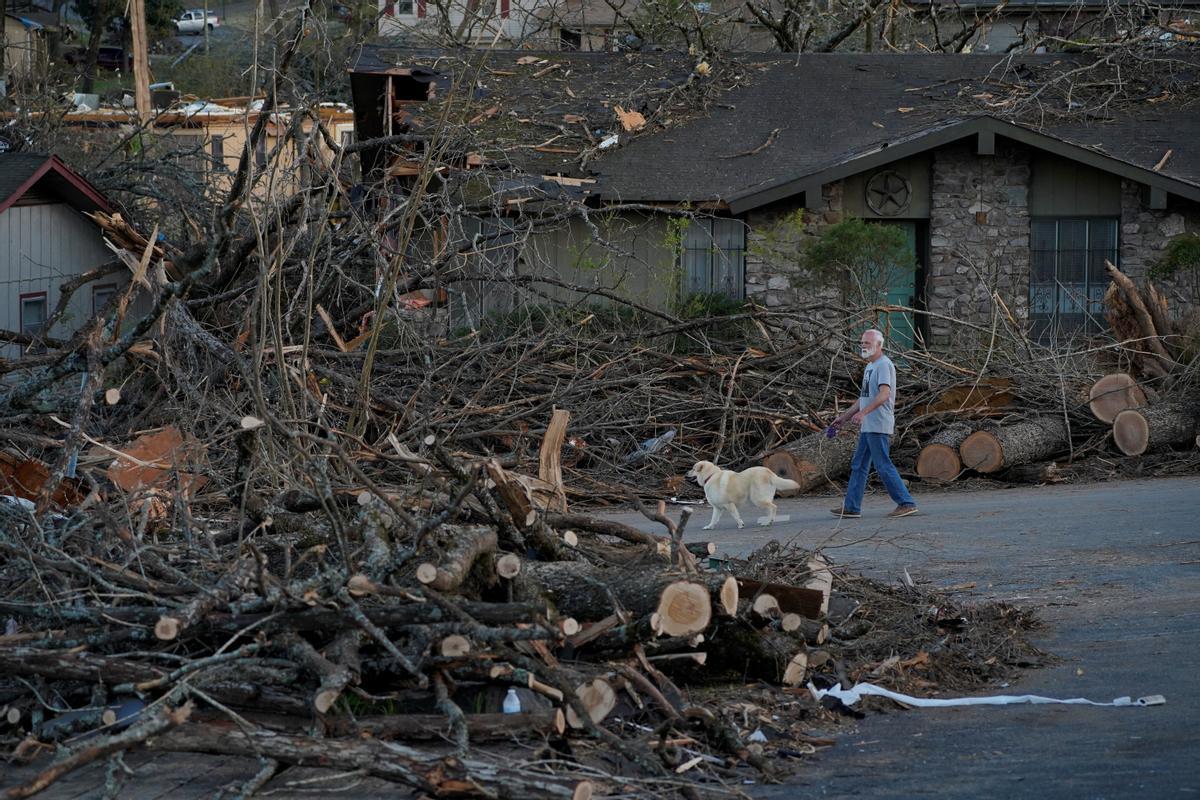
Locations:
column 195, row 21
column 110, row 57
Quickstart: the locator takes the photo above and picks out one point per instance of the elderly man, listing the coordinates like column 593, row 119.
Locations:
column 875, row 412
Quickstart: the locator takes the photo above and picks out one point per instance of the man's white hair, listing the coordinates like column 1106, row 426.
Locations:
column 875, row 334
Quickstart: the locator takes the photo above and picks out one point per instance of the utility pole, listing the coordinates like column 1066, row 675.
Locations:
column 141, row 60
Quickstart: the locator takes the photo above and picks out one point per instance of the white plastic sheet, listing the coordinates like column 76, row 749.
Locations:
column 861, row 690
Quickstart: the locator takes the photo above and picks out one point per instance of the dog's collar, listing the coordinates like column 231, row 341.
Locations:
column 705, row 480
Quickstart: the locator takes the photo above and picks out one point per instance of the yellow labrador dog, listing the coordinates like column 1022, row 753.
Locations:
column 724, row 489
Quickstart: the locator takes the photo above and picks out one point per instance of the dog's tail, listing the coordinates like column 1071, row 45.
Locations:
column 783, row 483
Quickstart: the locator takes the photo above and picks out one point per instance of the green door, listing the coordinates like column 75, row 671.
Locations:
column 901, row 290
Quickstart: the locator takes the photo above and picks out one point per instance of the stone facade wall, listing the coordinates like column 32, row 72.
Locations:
column 1145, row 233
column 774, row 240
column 979, row 237
column 979, row 240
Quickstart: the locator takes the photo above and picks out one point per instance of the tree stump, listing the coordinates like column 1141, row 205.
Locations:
column 813, row 460
column 1114, row 393
column 939, row 460
column 1009, row 445
column 1136, row 430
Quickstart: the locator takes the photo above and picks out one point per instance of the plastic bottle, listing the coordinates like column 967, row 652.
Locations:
column 512, row 703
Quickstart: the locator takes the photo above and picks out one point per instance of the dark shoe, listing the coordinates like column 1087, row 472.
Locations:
column 902, row 511
column 844, row 514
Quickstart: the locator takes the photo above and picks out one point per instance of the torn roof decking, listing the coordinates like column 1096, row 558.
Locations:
column 535, row 112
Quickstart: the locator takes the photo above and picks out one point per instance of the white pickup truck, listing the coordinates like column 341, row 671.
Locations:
column 195, row 21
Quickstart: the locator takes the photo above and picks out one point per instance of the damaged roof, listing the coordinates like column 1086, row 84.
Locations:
column 543, row 113
column 817, row 117
column 752, row 129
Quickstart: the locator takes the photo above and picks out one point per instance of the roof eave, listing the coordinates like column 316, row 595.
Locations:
column 946, row 134
column 76, row 181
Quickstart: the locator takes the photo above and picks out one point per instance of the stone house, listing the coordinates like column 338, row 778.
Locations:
column 1001, row 212
column 995, row 209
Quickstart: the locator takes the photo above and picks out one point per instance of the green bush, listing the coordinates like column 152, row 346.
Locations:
column 860, row 257
column 1182, row 254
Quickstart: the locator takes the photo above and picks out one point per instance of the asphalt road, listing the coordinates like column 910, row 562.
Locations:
column 1115, row 569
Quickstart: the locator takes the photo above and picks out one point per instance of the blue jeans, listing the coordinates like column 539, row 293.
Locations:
column 872, row 451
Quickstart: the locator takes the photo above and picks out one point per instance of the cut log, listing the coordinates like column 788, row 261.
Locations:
column 508, row 566
column 766, row 606
column 792, row 599
column 1009, row 445
column 684, row 608
column 455, row 646
column 587, row 593
column 597, row 697
column 468, row 545
column 737, row 648
column 1114, row 393
column 814, row 460
column 1137, row 430
column 939, row 459
column 232, row 583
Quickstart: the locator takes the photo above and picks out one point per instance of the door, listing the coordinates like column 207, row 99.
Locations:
column 899, row 288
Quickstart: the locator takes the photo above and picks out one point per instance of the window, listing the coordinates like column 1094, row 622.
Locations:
column 217, row 149
column 101, row 295
column 402, row 7
column 714, row 257
column 34, row 310
column 1067, row 278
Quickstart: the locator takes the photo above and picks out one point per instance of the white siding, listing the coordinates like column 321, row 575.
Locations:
column 41, row 246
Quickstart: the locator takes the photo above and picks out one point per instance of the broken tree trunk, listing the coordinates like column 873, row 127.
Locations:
column 1114, row 393
column 1136, row 430
column 813, row 460
column 939, row 460
column 1150, row 335
column 1009, row 445
column 550, row 457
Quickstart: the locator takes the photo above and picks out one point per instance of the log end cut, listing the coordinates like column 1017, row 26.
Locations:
column 1131, row 432
column 1112, row 394
column 684, row 609
column 598, row 698
column 938, row 462
column 982, row 452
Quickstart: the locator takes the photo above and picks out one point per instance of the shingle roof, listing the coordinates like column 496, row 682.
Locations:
column 821, row 110
column 19, row 172
column 16, row 169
